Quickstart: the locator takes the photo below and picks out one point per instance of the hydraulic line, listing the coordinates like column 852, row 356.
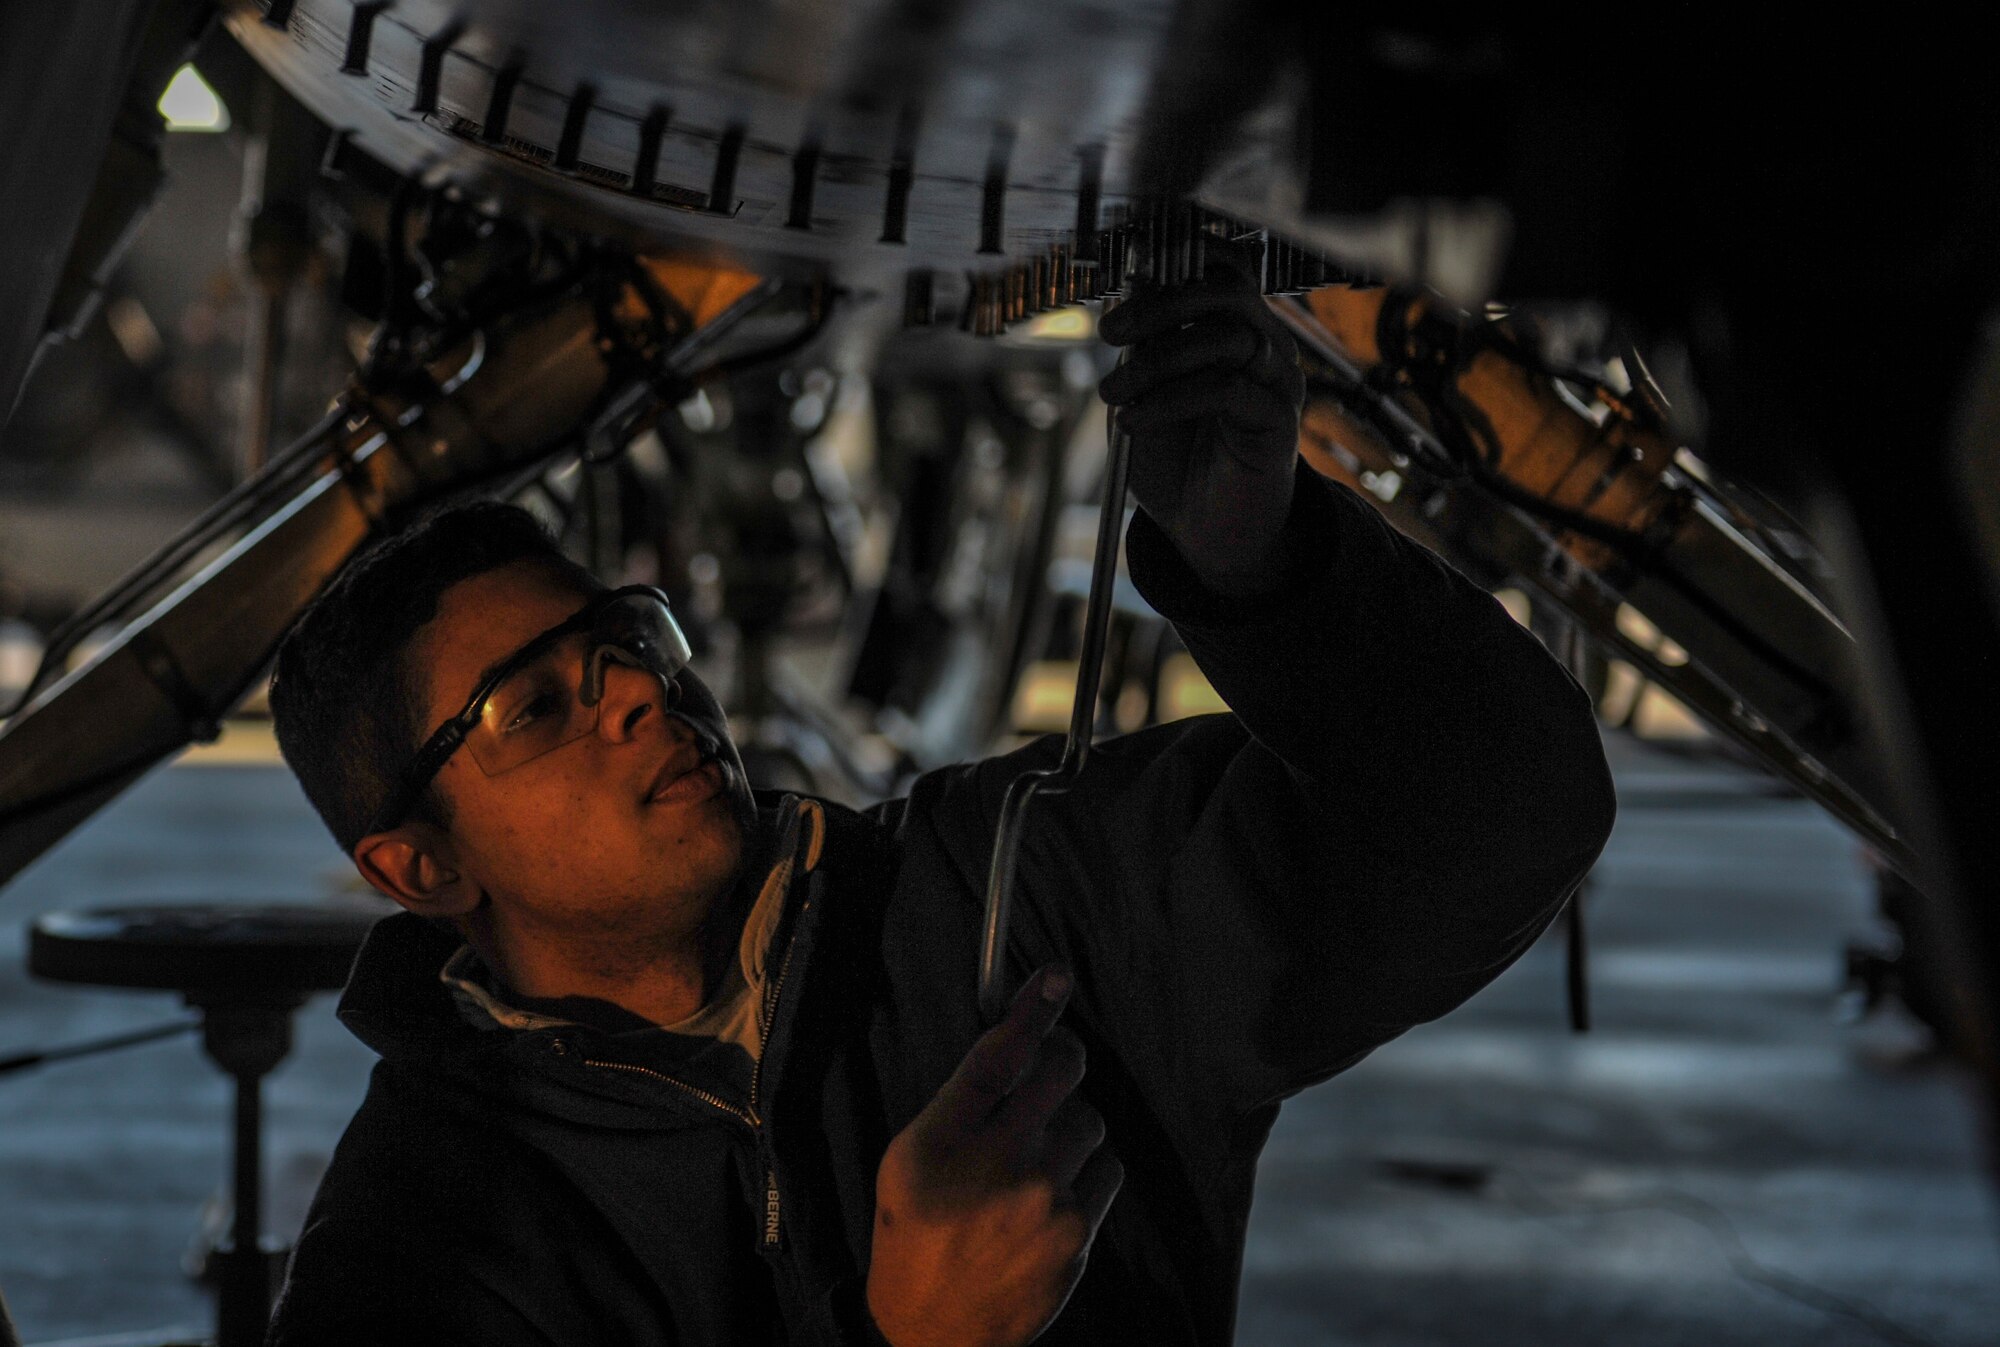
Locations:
column 1594, row 518
column 278, row 477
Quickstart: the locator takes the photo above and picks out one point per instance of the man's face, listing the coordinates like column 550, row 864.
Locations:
column 626, row 836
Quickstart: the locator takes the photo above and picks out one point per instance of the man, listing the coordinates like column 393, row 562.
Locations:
column 666, row 1063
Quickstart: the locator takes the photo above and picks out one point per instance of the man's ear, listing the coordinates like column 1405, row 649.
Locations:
column 416, row 867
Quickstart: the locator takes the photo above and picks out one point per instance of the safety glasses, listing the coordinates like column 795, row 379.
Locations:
column 549, row 692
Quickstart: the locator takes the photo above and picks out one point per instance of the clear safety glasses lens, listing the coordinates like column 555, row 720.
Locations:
column 636, row 630
column 555, row 698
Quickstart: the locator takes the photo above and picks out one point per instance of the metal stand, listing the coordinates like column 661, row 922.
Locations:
column 246, row 969
column 247, row 1040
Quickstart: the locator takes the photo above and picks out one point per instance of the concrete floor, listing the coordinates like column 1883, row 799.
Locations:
column 1718, row 1163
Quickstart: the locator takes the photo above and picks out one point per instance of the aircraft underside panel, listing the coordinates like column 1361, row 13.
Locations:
column 879, row 137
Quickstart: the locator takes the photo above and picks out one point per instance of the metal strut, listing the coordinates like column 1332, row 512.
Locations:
column 520, row 390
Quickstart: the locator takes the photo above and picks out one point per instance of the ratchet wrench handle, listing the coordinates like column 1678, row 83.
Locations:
column 994, row 993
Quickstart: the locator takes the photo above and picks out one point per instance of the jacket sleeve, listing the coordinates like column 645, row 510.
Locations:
column 315, row 1311
column 1408, row 788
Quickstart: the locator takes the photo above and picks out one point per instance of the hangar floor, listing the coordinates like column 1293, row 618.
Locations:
column 1718, row 1163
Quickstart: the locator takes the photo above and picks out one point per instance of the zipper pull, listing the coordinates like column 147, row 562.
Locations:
column 773, row 1235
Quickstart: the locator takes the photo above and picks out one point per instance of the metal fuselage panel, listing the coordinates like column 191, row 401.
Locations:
column 876, row 136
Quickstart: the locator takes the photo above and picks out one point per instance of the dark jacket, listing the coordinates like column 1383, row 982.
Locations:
column 1407, row 789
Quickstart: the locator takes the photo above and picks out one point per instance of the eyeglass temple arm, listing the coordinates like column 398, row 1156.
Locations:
column 430, row 758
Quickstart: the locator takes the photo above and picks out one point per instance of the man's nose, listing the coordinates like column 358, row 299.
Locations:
column 631, row 694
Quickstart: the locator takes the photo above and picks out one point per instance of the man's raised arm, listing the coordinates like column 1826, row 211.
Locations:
column 1407, row 790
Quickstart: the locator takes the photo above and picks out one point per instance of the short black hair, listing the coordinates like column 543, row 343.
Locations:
column 343, row 697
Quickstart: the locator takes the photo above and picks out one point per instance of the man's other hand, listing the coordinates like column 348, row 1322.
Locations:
column 986, row 1204
column 1210, row 391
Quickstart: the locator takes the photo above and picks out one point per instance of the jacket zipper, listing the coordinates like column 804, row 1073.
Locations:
column 772, row 1206
column 748, row 1116
column 771, row 1009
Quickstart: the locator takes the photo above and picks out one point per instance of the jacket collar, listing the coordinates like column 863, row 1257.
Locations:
column 399, row 1004
column 795, row 837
